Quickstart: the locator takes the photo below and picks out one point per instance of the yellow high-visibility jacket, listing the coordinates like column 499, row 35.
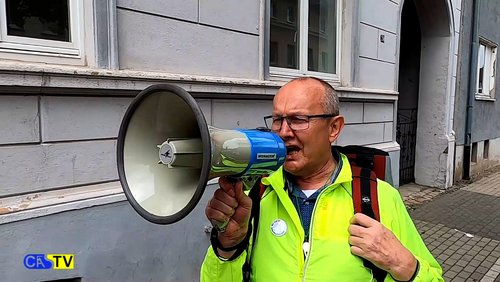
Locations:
column 279, row 256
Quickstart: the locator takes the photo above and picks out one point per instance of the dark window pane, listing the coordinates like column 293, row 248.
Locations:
column 273, row 53
column 322, row 36
column 284, row 34
column 38, row 19
column 481, row 64
column 311, row 58
column 291, row 55
column 273, row 9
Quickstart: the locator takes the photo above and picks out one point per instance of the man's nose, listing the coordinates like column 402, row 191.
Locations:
column 285, row 130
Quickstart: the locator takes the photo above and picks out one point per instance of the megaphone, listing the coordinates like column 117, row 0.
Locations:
column 167, row 153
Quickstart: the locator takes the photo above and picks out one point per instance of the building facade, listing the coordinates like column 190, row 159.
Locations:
column 477, row 111
column 69, row 70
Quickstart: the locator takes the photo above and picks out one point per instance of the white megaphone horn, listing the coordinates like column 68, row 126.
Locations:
column 166, row 153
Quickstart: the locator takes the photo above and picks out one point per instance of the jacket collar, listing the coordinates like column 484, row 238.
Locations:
column 277, row 179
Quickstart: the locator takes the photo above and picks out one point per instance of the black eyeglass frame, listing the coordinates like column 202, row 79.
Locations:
column 287, row 118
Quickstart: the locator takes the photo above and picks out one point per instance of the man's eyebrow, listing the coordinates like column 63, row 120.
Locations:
column 292, row 113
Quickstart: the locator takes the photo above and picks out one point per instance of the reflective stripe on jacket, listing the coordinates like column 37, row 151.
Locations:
column 280, row 257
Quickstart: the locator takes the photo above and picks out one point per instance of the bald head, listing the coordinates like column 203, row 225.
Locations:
column 329, row 98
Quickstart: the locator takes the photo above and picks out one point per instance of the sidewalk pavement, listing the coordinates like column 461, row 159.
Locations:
column 460, row 226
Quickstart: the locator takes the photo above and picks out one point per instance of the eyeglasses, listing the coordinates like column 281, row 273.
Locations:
column 300, row 122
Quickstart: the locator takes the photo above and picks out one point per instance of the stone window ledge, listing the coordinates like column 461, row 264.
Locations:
column 37, row 204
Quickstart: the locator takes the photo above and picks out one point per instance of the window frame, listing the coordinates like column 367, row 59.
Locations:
column 44, row 47
column 279, row 73
column 490, row 59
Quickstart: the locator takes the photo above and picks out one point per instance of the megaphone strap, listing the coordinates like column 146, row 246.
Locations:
column 240, row 247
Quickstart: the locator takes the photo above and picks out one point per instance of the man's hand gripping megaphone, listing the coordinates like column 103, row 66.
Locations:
column 229, row 211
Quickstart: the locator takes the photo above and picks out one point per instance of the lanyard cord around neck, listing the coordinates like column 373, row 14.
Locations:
column 290, row 186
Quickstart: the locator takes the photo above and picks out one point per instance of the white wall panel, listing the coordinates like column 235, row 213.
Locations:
column 19, row 122
column 387, row 49
column 182, row 9
column 162, row 44
column 377, row 112
column 376, row 74
column 34, row 167
column 242, row 15
column 229, row 114
column 362, row 134
column 352, row 112
column 78, row 118
column 368, row 41
column 380, row 13
column 494, row 151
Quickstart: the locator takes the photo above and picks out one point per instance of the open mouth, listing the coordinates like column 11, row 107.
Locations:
column 292, row 150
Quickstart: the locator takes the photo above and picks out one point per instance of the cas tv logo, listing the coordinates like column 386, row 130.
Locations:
column 50, row 261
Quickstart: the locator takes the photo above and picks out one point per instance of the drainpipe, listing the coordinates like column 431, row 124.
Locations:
column 471, row 89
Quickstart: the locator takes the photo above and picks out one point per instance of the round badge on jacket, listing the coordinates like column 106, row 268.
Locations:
column 279, row 227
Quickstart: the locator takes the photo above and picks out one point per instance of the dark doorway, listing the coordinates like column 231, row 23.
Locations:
column 409, row 75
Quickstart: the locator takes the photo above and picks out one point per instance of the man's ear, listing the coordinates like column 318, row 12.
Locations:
column 336, row 125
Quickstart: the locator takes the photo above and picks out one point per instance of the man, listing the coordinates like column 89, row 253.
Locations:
column 307, row 228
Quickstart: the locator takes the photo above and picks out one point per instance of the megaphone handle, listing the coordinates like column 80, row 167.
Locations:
column 248, row 183
column 219, row 226
column 248, row 180
column 233, row 179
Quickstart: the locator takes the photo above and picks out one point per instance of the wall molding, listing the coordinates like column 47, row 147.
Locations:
column 32, row 78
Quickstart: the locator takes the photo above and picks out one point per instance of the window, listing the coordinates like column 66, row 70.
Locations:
column 47, row 28
column 486, row 70
column 274, row 9
column 486, row 150
column 308, row 31
column 474, row 153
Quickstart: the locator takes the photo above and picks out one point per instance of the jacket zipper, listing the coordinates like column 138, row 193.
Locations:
column 310, row 235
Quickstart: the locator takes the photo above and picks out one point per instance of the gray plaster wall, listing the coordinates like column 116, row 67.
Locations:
column 485, row 114
column 110, row 243
column 53, row 142
column 49, row 142
column 220, row 38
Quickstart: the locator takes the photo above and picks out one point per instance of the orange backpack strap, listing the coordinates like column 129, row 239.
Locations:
column 365, row 200
column 364, row 192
